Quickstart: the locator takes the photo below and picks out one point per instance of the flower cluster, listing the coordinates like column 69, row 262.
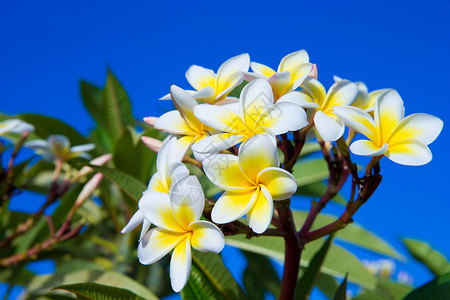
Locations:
column 235, row 142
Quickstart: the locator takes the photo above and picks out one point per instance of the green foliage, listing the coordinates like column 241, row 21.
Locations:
column 341, row 293
column 89, row 290
column 310, row 172
column 433, row 259
column 437, row 289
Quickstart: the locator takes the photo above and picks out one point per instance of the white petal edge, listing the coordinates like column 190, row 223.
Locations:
column 206, row 237
column 329, row 128
column 367, row 148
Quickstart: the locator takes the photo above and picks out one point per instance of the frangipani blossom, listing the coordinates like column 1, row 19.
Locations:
column 251, row 182
column 253, row 114
column 365, row 100
column 15, row 125
column 402, row 140
column 58, row 147
column 169, row 171
column 211, row 87
column 291, row 72
column 329, row 126
column 177, row 217
column 182, row 121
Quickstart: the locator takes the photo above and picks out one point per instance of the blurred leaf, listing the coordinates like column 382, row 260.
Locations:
column 210, row 279
column 310, row 172
column 423, row 252
column 93, row 101
column 260, row 276
column 309, row 148
column 306, row 283
column 98, row 291
column 46, row 126
column 341, row 293
column 317, row 190
column 337, row 263
column 130, row 185
column 386, row 290
column 353, row 233
column 437, row 289
column 327, row 285
column 42, row 284
column 117, row 107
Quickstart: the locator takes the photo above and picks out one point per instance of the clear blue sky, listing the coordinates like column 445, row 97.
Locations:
column 46, row 47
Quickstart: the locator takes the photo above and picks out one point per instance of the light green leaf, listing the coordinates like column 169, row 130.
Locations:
column 93, row 101
column 310, row 172
column 307, row 281
column 353, row 233
column 437, row 289
column 309, row 148
column 423, row 252
column 317, row 190
column 95, row 291
column 128, row 184
column 341, row 293
column 386, row 290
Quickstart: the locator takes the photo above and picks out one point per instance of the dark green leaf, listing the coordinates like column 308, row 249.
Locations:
column 260, row 276
column 236, row 92
column 341, row 293
column 423, row 252
column 97, row 291
column 327, row 285
column 307, row 281
column 437, row 289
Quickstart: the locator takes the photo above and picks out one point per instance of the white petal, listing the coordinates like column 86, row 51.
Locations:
column 367, row 148
column 422, row 127
column 219, row 117
column 177, row 171
column 145, row 227
column 156, row 244
column 185, row 104
column 256, row 154
column 134, row 222
column 314, row 89
column 180, row 265
column 291, row 61
column 206, row 237
column 280, row 83
column 357, row 119
column 299, row 74
column 226, row 88
column 239, row 63
column 8, row 125
column 409, row 152
column 59, row 144
column 200, row 77
column 283, row 117
column 166, row 97
column 261, row 69
column 248, row 76
column 37, row 144
column 260, row 215
column 341, row 93
column 16, row 126
column 233, row 205
column 329, row 128
column 187, row 200
column 205, row 94
column 167, row 156
column 82, row 148
column 256, row 97
column 389, row 111
column 217, row 143
column 173, row 122
column 300, row 99
column 280, row 183
column 156, row 208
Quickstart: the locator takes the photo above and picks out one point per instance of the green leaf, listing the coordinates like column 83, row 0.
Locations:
column 210, row 279
column 337, row 263
column 309, row 172
column 437, row 289
column 423, row 252
column 95, row 291
column 341, row 293
column 353, row 233
column 42, row 284
column 306, row 282
column 117, row 107
column 236, row 92
column 128, row 184
column 327, row 285
column 93, row 101
column 386, row 290
column 45, row 126
column 260, row 276
column 309, row 148
column 317, row 190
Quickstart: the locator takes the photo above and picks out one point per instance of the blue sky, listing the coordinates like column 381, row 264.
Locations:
column 47, row 47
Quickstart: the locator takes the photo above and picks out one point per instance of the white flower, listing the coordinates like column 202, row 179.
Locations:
column 15, row 125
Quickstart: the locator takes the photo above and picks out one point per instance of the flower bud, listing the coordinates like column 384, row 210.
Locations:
column 89, row 189
column 150, row 120
column 153, row 144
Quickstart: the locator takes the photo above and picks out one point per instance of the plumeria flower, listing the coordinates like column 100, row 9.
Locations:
column 329, row 126
column 365, row 100
column 251, row 180
column 182, row 121
column 169, row 171
column 177, row 217
column 58, row 147
column 402, row 140
column 212, row 88
column 253, row 114
column 15, row 126
column 291, row 72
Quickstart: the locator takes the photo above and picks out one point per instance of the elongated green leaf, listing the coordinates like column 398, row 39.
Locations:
column 128, row 184
column 433, row 259
column 236, row 92
column 341, row 293
column 117, row 107
column 338, row 262
column 327, row 285
column 97, row 291
column 42, row 284
column 93, row 101
column 317, row 190
column 309, row 148
column 437, row 289
column 306, row 282
column 386, row 290
column 353, row 233
column 260, row 276
column 45, row 126
column 210, row 279
column 310, row 172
